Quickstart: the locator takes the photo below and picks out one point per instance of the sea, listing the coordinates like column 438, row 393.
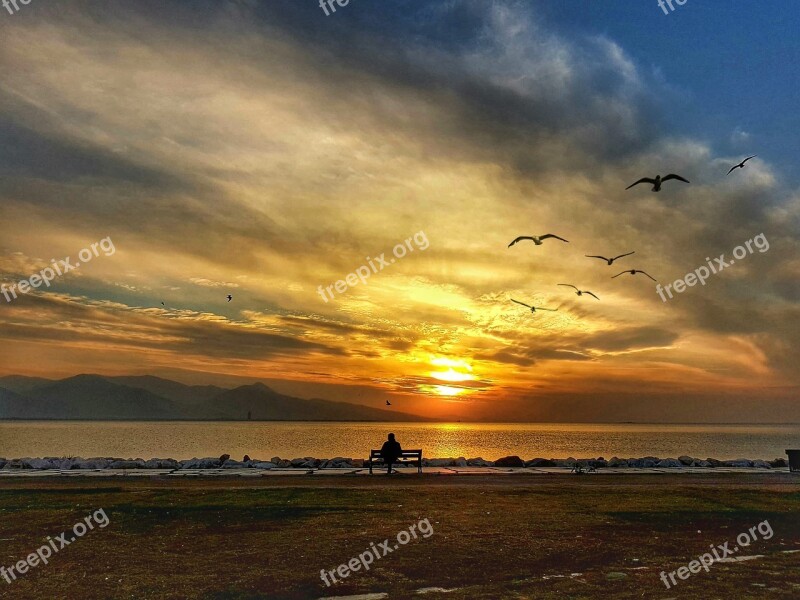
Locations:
column 264, row 440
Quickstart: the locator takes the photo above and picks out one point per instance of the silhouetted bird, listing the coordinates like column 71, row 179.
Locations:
column 537, row 239
column 388, row 403
column 632, row 272
column 579, row 292
column 162, row 304
column 741, row 164
column 608, row 260
column 229, row 297
column 657, row 181
column 534, row 308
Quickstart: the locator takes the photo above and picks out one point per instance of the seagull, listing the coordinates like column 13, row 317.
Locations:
column 608, row 260
column 388, row 403
column 533, row 308
column 741, row 164
column 633, row 272
column 579, row 292
column 162, row 304
column 229, row 297
column 657, row 181
column 536, row 239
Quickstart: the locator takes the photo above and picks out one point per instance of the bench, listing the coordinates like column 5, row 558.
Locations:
column 406, row 456
column 794, row 460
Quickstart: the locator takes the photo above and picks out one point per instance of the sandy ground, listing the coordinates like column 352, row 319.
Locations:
column 488, row 536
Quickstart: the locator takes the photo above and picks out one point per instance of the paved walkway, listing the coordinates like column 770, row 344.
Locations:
column 403, row 472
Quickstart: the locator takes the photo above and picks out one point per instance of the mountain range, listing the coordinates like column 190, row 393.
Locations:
column 95, row 397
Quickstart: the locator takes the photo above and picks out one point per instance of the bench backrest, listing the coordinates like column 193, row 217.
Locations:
column 403, row 454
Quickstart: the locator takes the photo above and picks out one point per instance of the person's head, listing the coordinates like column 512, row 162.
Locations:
column 391, row 437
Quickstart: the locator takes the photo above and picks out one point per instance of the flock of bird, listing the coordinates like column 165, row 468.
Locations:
column 656, row 182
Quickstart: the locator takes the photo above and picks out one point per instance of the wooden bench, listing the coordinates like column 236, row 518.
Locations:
column 406, row 456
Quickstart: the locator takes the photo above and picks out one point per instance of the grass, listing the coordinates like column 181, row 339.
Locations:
column 494, row 536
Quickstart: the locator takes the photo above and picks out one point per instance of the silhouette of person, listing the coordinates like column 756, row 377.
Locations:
column 390, row 452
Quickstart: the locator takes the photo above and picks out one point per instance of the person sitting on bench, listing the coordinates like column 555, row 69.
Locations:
column 390, row 452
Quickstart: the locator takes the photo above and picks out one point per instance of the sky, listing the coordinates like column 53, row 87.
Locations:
column 266, row 150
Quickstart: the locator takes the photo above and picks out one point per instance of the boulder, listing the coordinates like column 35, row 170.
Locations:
column 200, row 463
column 775, row 464
column 702, row 463
column 479, row 462
column 686, row 460
column 264, row 465
column 246, row 458
column 275, row 459
column 460, row 462
column 509, row 461
column 93, row 463
column 565, row 462
column 39, row 463
column 617, row 462
column 297, row 462
column 233, row 464
column 739, row 462
column 669, row 463
column 357, row 462
column 714, row 462
column 761, row 464
column 223, row 458
column 127, row 464
column 540, row 462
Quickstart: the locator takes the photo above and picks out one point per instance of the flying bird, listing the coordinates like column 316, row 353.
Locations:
column 741, row 164
column 536, row 239
column 229, row 297
column 388, row 403
column 162, row 304
column 633, row 272
column 608, row 260
column 579, row 292
column 534, row 308
column 657, row 181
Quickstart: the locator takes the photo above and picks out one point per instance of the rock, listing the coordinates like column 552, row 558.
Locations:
column 739, row 462
column 93, row 463
column 669, row 463
column 297, row 462
column 775, row 464
column 264, row 465
column 714, row 462
column 509, row 461
column 540, row 462
column 39, row 463
column 275, row 459
column 761, row 464
column 702, row 463
column 357, row 462
column 478, row 462
column 686, row 460
column 223, row 458
column 200, row 463
column 284, row 463
column 127, row 464
column 246, row 458
column 3, row 462
column 597, row 463
column 617, row 462
column 565, row 462
column 233, row 464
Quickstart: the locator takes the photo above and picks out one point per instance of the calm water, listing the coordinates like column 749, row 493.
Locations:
column 182, row 440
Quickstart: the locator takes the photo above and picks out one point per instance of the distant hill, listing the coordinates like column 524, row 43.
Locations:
column 266, row 404
column 21, row 384
column 95, row 397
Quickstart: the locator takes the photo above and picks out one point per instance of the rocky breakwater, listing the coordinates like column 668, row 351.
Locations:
column 339, row 462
